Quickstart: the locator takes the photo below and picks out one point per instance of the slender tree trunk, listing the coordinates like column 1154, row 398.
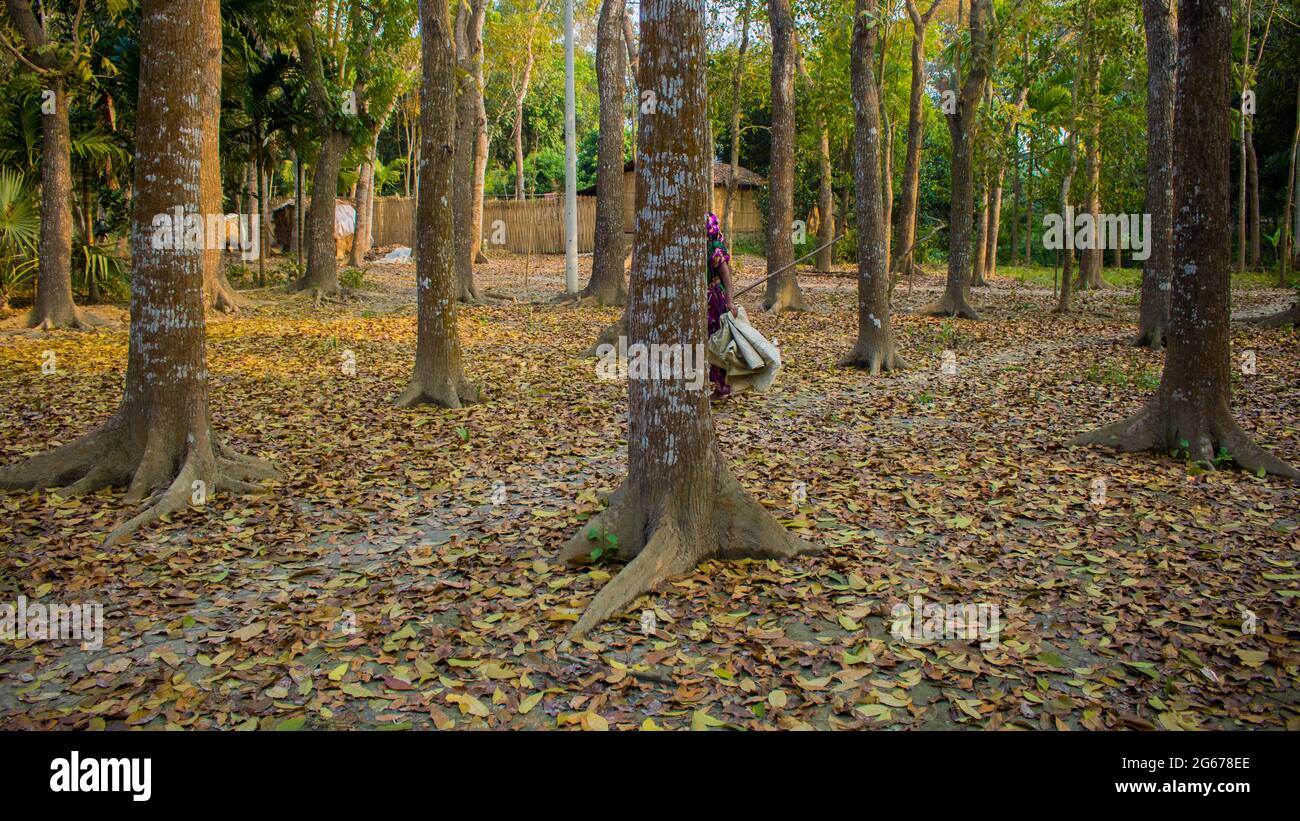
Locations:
column 255, row 207
column 218, row 293
column 54, row 307
column 439, row 377
column 1252, row 172
column 299, row 213
column 1189, row 414
column 680, row 503
column 606, row 285
column 480, row 158
column 1015, row 200
column 1029, row 210
column 468, row 220
column 915, row 134
column 886, row 162
column 160, row 442
column 519, row 119
column 1091, row 258
column 995, row 227
column 961, row 126
column 782, row 291
column 728, row 217
column 980, row 257
column 1063, row 299
column 1288, row 209
column 1158, row 17
column 361, row 203
column 874, row 350
column 1244, row 127
column 825, row 258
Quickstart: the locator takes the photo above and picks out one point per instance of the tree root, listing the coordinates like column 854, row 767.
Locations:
column 950, row 304
column 608, row 336
column 445, row 392
column 1206, row 440
column 78, row 320
column 873, row 359
column 110, row 457
column 224, row 298
column 1291, row 316
column 1151, row 337
column 784, row 302
column 735, row 526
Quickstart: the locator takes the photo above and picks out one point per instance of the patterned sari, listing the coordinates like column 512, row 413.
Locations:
column 717, row 294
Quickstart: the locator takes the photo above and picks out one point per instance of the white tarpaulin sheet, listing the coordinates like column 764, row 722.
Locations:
column 751, row 362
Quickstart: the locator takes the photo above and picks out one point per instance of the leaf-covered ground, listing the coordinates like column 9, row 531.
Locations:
column 378, row 585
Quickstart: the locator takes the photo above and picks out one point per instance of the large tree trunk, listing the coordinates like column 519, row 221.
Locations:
column 1158, row 17
column 915, row 123
column 159, row 442
column 874, row 350
column 680, row 503
column 606, row 285
column 322, row 276
column 1189, row 414
column 438, row 377
column 782, row 291
column 961, row 127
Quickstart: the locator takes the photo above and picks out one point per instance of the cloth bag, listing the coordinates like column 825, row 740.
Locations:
column 751, row 362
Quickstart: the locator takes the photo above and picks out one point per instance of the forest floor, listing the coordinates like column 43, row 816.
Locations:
column 384, row 584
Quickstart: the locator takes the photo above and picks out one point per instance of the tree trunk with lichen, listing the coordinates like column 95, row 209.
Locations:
column 955, row 300
column 321, row 276
column 915, row 122
column 1091, row 258
column 874, row 350
column 159, row 443
column 680, row 503
column 471, row 125
column 361, row 205
column 1161, row 33
column 1189, row 414
column 782, row 291
column 439, row 377
column 606, row 286
column 54, row 307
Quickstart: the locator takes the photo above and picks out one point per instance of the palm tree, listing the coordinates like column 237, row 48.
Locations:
column 20, row 228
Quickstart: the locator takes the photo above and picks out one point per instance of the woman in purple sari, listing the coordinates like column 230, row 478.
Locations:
column 719, row 292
